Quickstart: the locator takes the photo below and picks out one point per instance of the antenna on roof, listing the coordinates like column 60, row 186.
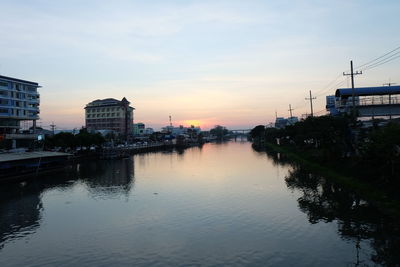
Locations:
column 170, row 121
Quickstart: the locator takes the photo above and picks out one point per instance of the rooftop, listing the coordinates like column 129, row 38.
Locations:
column 108, row 102
column 366, row 91
column 18, row 80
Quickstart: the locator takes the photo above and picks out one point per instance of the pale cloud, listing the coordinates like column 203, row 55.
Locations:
column 227, row 62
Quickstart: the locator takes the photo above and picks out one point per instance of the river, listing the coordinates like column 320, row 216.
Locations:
column 221, row 204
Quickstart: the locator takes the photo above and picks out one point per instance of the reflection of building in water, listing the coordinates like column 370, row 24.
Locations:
column 108, row 177
column 21, row 207
column 19, row 216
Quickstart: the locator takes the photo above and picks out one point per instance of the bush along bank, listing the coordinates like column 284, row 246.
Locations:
column 370, row 154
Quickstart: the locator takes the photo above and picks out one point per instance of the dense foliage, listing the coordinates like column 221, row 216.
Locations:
column 336, row 140
column 219, row 131
column 68, row 140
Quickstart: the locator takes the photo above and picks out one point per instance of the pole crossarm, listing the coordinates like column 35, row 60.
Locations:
column 311, row 99
column 352, row 73
column 290, row 110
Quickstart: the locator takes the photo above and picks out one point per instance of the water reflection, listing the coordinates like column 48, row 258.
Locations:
column 21, row 205
column 19, row 216
column 358, row 219
column 108, row 178
column 224, row 204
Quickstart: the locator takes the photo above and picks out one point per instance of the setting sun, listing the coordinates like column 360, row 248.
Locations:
column 196, row 123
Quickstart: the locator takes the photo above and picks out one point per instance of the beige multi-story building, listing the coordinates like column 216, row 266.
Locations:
column 110, row 114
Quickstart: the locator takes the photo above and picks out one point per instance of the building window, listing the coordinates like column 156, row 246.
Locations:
column 30, row 88
column 4, row 84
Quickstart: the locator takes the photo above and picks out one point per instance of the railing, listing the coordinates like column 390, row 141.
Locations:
column 369, row 101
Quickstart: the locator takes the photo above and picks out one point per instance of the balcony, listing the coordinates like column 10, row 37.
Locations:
column 21, row 136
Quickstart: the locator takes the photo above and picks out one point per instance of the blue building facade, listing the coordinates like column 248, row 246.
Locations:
column 378, row 101
column 19, row 101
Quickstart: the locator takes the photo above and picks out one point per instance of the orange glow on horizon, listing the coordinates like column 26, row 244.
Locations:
column 195, row 123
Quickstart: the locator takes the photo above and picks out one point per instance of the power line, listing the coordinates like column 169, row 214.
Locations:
column 382, row 62
column 322, row 91
column 290, row 110
column 329, row 85
column 320, row 112
column 369, row 62
column 330, row 88
column 352, row 73
column 311, row 99
column 53, row 127
column 385, row 58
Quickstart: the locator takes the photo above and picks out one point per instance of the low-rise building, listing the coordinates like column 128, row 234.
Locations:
column 138, row 129
column 281, row 122
column 175, row 131
column 110, row 114
column 148, row 131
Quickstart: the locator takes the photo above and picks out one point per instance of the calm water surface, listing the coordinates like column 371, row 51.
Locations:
column 222, row 204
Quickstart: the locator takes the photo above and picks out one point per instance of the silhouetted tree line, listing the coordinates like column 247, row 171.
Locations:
column 219, row 131
column 68, row 140
column 370, row 152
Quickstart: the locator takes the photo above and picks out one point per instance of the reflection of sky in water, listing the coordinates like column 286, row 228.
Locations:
column 221, row 204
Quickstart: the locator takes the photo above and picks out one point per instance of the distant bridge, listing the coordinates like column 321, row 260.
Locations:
column 241, row 131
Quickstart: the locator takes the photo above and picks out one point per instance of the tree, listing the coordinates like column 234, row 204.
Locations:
column 219, row 131
column 258, row 131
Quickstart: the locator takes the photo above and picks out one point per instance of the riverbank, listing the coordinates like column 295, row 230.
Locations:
column 378, row 196
column 19, row 165
column 27, row 165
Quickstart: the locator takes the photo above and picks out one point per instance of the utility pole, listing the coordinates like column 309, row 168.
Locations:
column 290, row 110
column 311, row 99
column 390, row 98
column 53, row 127
column 352, row 73
column 389, row 84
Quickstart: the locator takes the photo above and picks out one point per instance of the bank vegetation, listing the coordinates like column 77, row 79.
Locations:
column 369, row 153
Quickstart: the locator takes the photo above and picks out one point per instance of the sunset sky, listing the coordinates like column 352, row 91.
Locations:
column 230, row 62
